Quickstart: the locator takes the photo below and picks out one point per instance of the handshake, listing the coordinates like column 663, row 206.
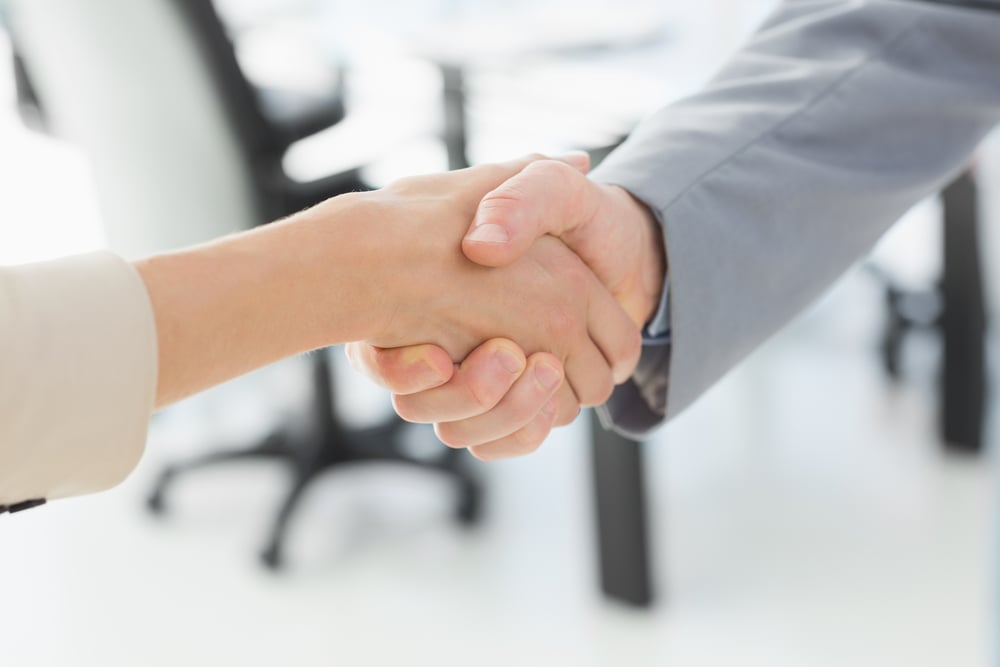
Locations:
column 506, row 296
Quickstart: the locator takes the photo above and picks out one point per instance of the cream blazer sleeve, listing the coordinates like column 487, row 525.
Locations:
column 77, row 377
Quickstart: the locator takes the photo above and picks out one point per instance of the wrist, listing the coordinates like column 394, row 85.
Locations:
column 651, row 269
column 224, row 308
column 333, row 261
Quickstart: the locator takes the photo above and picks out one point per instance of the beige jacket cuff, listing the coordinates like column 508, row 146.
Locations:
column 77, row 376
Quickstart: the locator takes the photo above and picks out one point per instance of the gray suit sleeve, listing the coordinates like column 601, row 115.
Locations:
column 821, row 132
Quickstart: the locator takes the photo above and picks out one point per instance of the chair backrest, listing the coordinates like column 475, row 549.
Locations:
column 236, row 93
column 133, row 83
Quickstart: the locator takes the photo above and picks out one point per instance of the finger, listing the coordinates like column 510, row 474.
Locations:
column 545, row 197
column 579, row 160
column 601, row 346
column 532, row 391
column 610, row 354
column 480, row 382
column 402, row 370
column 589, row 375
column 567, row 405
column 483, row 178
column 614, row 333
column 524, row 441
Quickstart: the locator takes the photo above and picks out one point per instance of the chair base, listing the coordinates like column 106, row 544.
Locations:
column 314, row 445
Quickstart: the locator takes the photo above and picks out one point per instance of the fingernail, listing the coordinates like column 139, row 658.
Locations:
column 548, row 376
column 488, row 233
column 510, row 361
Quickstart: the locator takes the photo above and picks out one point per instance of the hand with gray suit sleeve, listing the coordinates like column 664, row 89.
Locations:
column 833, row 120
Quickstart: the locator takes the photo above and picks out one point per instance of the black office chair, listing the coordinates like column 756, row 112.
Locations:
column 269, row 122
column 263, row 125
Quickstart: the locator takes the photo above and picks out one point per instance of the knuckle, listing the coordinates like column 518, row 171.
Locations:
column 631, row 348
column 506, row 195
column 449, row 435
column 377, row 365
column 561, row 323
column 528, row 439
column 529, row 442
column 525, row 407
column 407, row 409
column 518, row 411
column 497, row 172
column 526, row 160
column 481, row 395
column 633, row 342
column 501, row 201
column 567, row 415
column 386, row 369
column 400, row 186
column 556, row 173
column 575, row 276
column 598, row 393
column 484, row 453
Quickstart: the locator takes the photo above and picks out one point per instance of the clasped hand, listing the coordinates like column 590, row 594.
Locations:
column 556, row 273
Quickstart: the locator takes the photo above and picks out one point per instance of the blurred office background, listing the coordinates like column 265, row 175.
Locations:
column 805, row 512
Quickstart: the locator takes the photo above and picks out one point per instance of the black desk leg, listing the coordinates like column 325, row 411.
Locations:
column 621, row 517
column 963, row 321
column 455, row 138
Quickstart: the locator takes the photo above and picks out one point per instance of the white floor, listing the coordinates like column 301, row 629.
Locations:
column 803, row 514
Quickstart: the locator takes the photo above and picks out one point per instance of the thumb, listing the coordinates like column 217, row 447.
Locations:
column 546, row 197
column 579, row 160
column 477, row 181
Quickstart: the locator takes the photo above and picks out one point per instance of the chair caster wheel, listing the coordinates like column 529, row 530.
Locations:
column 469, row 510
column 271, row 559
column 155, row 504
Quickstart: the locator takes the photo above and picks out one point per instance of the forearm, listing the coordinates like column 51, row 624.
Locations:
column 227, row 307
column 641, row 291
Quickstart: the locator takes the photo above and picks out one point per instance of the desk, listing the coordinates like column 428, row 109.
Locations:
column 553, row 65
column 622, row 518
